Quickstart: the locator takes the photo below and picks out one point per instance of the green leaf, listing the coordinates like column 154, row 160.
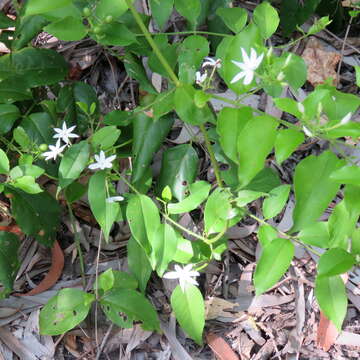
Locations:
column 287, row 141
column 67, row 29
column 199, row 191
column 38, row 127
column 320, row 24
column 189, row 310
column 105, row 212
column 186, row 108
column 148, row 137
column 217, row 211
column 27, row 183
column 164, row 247
column 8, row 115
column 144, row 220
column 189, row 9
column 192, row 51
column 347, row 175
column 9, row 263
column 178, row 169
column 133, row 304
column 4, row 163
column 138, row 263
column 314, row 193
column 36, row 214
column 73, row 163
column 5, row 21
column 115, row 34
column 266, row 180
column 254, row 144
column 26, row 169
column 331, row 296
column 335, row 261
column 266, row 234
column 234, row 18
column 105, row 138
column 184, row 252
column 34, row 7
column 74, row 192
column 12, row 90
column 21, row 137
column 135, row 69
column 247, row 196
column 64, row 311
column 295, row 72
column 316, row 234
column 166, row 194
column 161, row 11
column 230, row 123
column 276, row 201
column 274, row 261
column 36, row 67
column 114, row 279
column 266, row 18
column 357, row 73
column 110, row 7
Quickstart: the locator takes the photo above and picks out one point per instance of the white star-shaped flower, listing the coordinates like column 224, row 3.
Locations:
column 211, row 62
column 346, row 119
column 184, row 274
column 102, row 162
column 65, row 133
column 200, row 78
column 248, row 66
column 54, row 151
column 113, row 199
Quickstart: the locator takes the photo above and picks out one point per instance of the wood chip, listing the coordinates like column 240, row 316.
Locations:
column 220, row 347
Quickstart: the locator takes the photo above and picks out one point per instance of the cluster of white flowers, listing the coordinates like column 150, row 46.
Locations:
column 62, row 135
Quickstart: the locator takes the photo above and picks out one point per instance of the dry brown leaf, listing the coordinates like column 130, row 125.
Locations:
column 220, row 347
column 216, row 307
column 321, row 64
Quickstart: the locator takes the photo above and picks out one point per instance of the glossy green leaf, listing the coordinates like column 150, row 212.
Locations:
column 347, row 175
column 75, row 191
column 4, row 163
column 105, row 212
column 190, row 10
column 234, row 18
column 36, row 67
column 38, row 127
column 276, row 201
column 105, row 138
column 12, row 90
column 138, row 263
column 8, row 115
column 217, row 211
column 184, row 252
column 331, row 296
column 67, row 29
column 320, row 24
column 266, row 180
column 21, row 137
column 313, row 188
column 274, row 261
column 287, row 141
column 186, row 108
column 9, row 263
column 144, row 220
column 114, row 279
column 110, row 7
column 230, row 123
column 5, row 21
column 133, row 304
column 254, row 144
column 189, row 310
column 245, row 197
column 289, row 105
column 199, row 191
column 36, row 214
column 335, row 261
column 266, row 18
column 26, row 169
column 73, row 163
column 164, row 247
column 115, row 34
column 27, row 183
column 178, row 169
column 166, row 194
column 266, row 234
column 161, row 11
column 357, row 73
column 192, row 51
column 34, row 7
column 64, row 311
column 295, row 71
column 148, row 137
column 316, row 234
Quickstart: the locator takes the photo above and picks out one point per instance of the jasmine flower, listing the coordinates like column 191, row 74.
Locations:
column 54, row 151
column 102, row 162
column 248, row 66
column 184, row 274
column 113, row 199
column 65, row 133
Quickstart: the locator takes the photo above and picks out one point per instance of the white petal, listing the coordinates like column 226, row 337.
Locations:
column 238, row 64
column 346, row 119
column 238, row 76
column 193, row 281
column 249, row 75
column 245, row 56
column 301, row 107
column 307, row 131
column 94, row 166
column 258, row 61
column 253, row 55
column 171, row 275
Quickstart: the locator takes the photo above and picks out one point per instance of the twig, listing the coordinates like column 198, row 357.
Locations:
column 342, row 50
column 100, row 349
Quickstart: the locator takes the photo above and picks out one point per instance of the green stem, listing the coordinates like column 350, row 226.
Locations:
column 212, row 155
column 77, row 243
column 189, row 33
column 152, row 43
